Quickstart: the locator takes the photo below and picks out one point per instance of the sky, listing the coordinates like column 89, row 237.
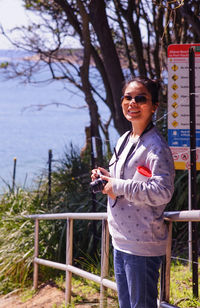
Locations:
column 12, row 14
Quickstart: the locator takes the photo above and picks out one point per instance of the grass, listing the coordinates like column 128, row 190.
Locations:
column 27, row 294
column 180, row 289
column 181, row 286
column 86, row 291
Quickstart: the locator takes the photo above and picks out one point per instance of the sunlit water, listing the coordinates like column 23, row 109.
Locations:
column 29, row 133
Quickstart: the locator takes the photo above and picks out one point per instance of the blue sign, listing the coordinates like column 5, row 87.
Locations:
column 181, row 137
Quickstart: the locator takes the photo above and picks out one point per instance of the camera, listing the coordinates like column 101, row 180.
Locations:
column 97, row 185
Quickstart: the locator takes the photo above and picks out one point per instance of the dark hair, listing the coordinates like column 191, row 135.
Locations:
column 153, row 86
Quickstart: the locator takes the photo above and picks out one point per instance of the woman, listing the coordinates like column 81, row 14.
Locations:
column 135, row 205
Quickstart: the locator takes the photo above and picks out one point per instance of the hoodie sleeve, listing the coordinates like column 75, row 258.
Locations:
column 158, row 189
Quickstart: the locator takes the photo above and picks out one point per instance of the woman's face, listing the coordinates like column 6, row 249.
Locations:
column 138, row 112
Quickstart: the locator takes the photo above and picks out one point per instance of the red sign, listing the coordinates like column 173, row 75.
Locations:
column 181, row 50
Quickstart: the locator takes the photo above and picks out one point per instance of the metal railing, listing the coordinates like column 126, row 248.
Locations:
column 68, row 267
column 170, row 217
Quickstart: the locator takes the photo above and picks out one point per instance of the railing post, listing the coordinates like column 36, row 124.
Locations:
column 104, row 261
column 69, row 255
column 36, row 253
column 168, row 263
column 14, row 174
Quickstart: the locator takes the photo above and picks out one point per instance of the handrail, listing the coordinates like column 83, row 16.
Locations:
column 193, row 215
column 170, row 217
column 68, row 268
column 87, row 216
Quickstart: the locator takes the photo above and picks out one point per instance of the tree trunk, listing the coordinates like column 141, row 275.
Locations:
column 111, row 60
column 84, row 73
column 192, row 19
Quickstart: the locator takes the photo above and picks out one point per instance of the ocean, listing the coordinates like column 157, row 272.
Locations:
column 28, row 131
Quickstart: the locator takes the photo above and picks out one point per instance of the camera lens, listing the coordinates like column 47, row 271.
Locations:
column 97, row 185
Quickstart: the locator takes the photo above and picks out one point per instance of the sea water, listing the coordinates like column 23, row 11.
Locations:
column 35, row 118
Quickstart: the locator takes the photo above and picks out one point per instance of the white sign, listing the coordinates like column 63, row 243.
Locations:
column 178, row 104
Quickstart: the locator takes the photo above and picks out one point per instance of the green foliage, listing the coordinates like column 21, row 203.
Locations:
column 181, row 286
column 4, row 64
column 16, row 239
column 179, row 202
column 69, row 193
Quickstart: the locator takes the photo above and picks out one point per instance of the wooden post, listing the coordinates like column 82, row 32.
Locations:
column 168, row 263
column 165, row 270
column 104, row 261
column 14, row 174
column 69, row 256
column 36, row 253
column 49, row 174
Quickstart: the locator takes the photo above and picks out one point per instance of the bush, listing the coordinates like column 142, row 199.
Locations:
column 16, row 238
column 69, row 193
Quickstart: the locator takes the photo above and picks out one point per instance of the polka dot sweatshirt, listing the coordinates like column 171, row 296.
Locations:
column 136, row 221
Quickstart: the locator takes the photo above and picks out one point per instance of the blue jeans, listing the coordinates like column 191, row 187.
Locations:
column 137, row 279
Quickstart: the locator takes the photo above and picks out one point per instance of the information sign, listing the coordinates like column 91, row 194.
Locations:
column 178, row 104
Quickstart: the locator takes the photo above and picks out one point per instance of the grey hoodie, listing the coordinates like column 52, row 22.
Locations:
column 136, row 222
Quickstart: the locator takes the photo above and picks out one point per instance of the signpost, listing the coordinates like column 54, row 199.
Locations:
column 178, row 104
column 192, row 100
column 184, row 127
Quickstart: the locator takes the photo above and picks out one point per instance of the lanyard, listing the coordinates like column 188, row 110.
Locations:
column 122, row 146
column 117, row 154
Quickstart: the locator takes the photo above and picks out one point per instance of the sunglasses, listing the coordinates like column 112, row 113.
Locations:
column 139, row 99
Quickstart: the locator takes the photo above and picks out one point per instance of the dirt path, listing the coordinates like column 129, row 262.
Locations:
column 48, row 296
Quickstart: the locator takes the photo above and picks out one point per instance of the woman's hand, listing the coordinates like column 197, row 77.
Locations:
column 105, row 175
column 108, row 187
column 95, row 173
